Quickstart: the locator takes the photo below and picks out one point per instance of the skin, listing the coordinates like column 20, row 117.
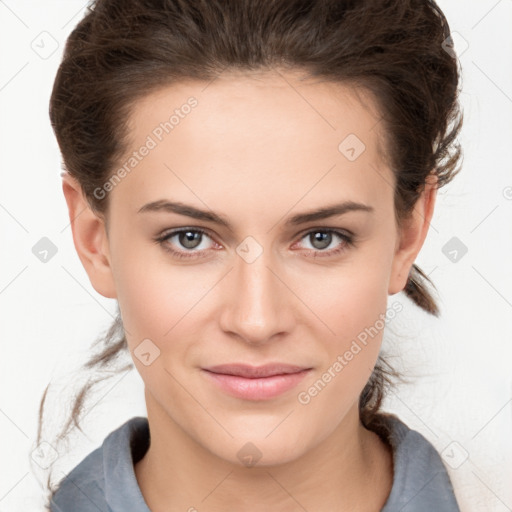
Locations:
column 257, row 149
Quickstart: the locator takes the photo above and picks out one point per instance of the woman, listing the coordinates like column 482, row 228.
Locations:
column 251, row 181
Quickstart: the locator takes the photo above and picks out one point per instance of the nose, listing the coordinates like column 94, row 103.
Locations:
column 257, row 304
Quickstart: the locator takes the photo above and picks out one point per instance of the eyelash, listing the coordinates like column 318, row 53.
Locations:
column 348, row 240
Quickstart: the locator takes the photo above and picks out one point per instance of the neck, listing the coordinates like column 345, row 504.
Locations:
column 177, row 473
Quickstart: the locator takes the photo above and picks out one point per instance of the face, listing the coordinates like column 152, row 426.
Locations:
column 256, row 278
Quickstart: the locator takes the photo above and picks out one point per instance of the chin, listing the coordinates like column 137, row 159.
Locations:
column 258, row 452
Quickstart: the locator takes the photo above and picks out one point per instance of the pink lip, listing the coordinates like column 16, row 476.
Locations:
column 256, row 383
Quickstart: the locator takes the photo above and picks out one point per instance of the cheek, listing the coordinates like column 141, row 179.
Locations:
column 156, row 299
column 159, row 309
column 352, row 304
column 357, row 317
column 346, row 300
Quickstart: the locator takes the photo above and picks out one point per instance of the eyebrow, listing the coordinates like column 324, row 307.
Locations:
column 163, row 205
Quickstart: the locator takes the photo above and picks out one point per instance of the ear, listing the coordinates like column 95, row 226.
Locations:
column 89, row 237
column 412, row 235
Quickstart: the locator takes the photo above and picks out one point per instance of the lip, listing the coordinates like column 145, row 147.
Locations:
column 256, row 382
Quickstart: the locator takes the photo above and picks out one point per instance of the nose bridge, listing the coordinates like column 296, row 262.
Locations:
column 255, row 307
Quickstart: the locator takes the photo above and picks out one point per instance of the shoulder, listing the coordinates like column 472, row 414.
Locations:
column 83, row 488
column 420, row 482
column 95, row 483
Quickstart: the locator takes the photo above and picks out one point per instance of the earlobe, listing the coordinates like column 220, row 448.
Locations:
column 412, row 237
column 89, row 237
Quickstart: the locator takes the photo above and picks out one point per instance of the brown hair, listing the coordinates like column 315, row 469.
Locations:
column 398, row 50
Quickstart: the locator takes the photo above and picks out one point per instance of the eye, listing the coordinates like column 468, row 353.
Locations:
column 321, row 238
column 187, row 238
column 189, row 242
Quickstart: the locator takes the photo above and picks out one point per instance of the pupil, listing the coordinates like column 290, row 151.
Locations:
column 188, row 239
column 323, row 238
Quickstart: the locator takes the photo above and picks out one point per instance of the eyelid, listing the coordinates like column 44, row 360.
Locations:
column 329, row 229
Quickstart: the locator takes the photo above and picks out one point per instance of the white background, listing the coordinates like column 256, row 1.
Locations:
column 461, row 363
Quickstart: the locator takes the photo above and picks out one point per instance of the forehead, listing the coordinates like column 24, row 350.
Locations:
column 276, row 134
column 261, row 101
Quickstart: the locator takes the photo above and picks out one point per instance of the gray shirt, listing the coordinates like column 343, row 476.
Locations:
column 105, row 481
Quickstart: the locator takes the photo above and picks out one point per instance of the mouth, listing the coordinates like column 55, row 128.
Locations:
column 255, row 382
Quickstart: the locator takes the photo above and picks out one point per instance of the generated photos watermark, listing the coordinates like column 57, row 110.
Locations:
column 342, row 360
column 152, row 140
